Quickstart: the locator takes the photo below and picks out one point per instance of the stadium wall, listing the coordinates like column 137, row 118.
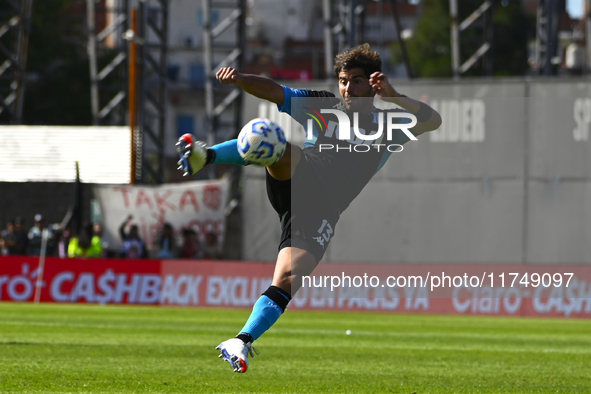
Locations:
column 506, row 179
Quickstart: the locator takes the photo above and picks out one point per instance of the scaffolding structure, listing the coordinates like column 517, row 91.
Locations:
column 547, row 25
column 223, row 104
column 107, row 23
column 343, row 28
column 15, row 29
column 151, row 90
column 127, row 48
column 484, row 13
column 588, row 31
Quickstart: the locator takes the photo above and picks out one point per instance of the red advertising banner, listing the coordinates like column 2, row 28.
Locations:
column 470, row 289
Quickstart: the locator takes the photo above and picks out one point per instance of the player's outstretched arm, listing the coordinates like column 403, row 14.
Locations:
column 261, row 87
column 427, row 118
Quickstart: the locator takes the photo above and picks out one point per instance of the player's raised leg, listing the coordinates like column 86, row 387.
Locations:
column 261, row 142
column 194, row 155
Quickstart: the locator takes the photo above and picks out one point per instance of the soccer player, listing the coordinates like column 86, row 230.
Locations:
column 309, row 188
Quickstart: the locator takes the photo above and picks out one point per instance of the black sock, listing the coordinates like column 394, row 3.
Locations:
column 210, row 156
column 278, row 296
column 244, row 337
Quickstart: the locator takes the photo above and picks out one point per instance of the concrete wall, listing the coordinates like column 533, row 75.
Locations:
column 505, row 179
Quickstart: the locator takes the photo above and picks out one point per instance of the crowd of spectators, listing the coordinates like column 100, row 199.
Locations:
column 14, row 239
column 88, row 241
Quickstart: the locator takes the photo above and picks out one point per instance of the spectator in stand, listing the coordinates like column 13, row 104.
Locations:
column 133, row 246
column 97, row 237
column 35, row 237
column 22, row 238
column 11, row 242
column 64, row 242
column 7, row 238
column 85, row 244
column 191, row 248
column 212, row 247
column 2, row 242
column 166, row 242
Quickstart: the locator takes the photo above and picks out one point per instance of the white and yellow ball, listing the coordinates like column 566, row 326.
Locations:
column 261, row 142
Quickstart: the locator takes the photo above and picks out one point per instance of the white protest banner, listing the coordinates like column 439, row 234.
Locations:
column 198, row 205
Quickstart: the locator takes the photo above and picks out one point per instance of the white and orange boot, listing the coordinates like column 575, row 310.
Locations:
column 236, row 352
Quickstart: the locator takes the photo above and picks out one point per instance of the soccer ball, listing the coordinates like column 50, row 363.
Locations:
column 261, row 142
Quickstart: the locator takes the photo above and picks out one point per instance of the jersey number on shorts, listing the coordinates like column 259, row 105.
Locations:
column 325, row 232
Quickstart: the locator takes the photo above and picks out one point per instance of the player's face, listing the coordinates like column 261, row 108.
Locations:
column 353, row 85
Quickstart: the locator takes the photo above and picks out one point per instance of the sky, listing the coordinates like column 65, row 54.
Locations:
column 575, row 8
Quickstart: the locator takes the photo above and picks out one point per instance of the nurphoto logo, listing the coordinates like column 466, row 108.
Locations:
column 360, row 141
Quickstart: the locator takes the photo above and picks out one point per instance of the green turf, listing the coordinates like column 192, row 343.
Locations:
column 119, row 349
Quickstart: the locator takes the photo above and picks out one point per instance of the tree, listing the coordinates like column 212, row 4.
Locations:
column 58, row 85
column 512, row 30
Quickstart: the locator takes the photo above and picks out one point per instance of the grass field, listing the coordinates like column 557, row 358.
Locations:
column 120, row 349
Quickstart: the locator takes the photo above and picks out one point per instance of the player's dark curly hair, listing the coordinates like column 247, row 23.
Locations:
column 361, row 56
